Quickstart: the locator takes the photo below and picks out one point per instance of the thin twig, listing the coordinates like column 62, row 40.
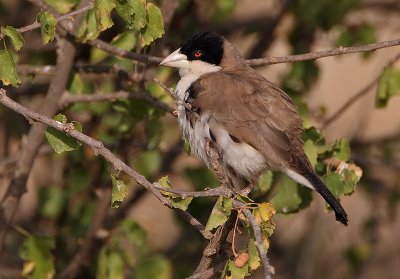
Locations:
column 177, row 100
column 146, row 59
column 235, row 228
column 215, row 192
column 69, row 99
column 259, row 241
column 48, row 70
column 195, row 223
column 358, row 95
column 323, row 53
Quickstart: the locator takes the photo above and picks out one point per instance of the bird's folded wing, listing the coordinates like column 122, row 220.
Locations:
column 253, row 111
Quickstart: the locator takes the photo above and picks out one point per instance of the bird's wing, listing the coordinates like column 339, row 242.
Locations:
column 254, row 111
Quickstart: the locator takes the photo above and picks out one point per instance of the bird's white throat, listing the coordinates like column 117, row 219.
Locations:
column 191, row 74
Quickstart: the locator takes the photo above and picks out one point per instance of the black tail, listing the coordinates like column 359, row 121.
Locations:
column 320, row 187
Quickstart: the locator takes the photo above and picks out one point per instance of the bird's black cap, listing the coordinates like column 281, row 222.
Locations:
column 207, row 46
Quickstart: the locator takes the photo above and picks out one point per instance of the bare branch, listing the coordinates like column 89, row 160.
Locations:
column 49, row 70
column 214, row 254
column 195, row 223
column 214, row 192
column 153, row 60
column 146, row 59
column 358, row 95
column 69, row 99
column 323, row 53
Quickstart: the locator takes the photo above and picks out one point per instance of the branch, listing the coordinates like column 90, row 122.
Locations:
column 324, row 53
column 195, row 223
column 49, row 70
column 146, row 59
column 68, row 16
column 99, row 148
column 69, row 99
column 214, row 192
column 153, row 60
column 358, row 95
column 259, row 242
column 213, row 253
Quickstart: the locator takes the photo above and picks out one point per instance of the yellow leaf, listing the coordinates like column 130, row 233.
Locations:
column 266, row 211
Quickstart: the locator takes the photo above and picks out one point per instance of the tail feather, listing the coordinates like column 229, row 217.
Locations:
column 320, row 187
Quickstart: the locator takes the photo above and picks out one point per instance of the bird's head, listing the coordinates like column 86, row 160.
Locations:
column 201, row 47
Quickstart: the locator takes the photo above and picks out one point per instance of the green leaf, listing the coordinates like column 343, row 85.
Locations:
column 78, row 86
column 301, row 77
column 311, row 151
column 47, row 26
column 119, row 191
column 339, row 150
column 16, row 38
column 36, row 251
column 388, row 86
column 314, row 135
column 77, row 181
column 110, row 264
column 223, row 9
column 88, row 29
column 126, row 40
column 323, row 13
column 60, row 141
column 220, row 213
column 135, row 234
column 334, row 183
column 350, row 180
column 344, row 150
column 357, row 35
column 201, row 177
column 62, row 6
column 103, row 10
column 148, row 163
column 52, row 201
column 177, row 201
column 154, row 28
column 265, row 181
column 157, row 267
column 8, row 71
column 287, row 198
column 254, row 257
column 233, row 272
column 133, row 12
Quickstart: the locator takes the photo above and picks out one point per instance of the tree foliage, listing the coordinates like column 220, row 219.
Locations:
column 139, row 130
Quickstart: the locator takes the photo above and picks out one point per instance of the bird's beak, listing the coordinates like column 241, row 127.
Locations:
column 176, row 59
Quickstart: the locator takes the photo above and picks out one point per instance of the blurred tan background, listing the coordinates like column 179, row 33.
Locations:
column 308, row 244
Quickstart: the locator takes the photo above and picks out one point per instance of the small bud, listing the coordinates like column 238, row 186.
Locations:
column 241, row 260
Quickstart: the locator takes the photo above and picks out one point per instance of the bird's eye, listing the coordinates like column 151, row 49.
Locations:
column 197, row 54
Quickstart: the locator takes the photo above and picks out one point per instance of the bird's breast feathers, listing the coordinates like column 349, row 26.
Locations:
column 210, row 126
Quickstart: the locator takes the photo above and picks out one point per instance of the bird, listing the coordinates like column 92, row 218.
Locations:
column 253, row 124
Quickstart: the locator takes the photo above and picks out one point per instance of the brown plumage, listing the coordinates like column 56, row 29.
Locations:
column 253, row 123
